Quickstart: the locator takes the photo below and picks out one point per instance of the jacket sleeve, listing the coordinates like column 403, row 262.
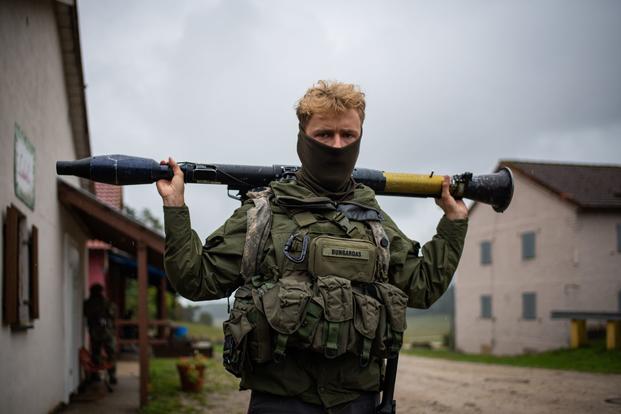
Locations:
column 209, row 271
column 425, row 277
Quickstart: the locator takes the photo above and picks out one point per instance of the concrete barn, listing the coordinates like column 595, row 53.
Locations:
column 556, row 248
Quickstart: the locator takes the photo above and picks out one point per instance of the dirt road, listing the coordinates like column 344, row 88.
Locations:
column 433, row 386
column 427, row 385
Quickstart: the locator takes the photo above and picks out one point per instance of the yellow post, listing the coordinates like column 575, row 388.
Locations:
column 613, row 335
column 578, row 333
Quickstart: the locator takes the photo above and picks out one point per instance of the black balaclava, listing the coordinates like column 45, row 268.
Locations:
column 326, row 170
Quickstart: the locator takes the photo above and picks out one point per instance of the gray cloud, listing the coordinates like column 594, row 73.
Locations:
column 451, row 86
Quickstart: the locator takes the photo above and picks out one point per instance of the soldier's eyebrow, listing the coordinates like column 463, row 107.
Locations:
column 324, row 130
column 350, row 131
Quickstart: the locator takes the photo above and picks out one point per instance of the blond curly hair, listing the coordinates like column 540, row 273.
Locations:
column 329, row 97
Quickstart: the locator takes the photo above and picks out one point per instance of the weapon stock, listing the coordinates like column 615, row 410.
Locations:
column 388, row 404
column 495, row 189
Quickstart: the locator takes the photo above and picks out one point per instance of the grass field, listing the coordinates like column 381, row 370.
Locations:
column 427, row 328
column 593, row 358
column 201, row 331
column 165, row 388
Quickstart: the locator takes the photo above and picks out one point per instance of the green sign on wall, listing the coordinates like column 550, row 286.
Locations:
column 24, row 175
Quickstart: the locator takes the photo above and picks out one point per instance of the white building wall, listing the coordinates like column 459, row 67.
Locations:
column 508, row 276
column 34, row 371
column 597, row 281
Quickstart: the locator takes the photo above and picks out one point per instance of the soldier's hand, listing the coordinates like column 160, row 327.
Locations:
column 453, row 209
column 172, row 191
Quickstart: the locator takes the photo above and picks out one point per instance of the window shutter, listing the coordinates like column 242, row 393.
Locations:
column 529, row 306
column 34, row 273
column 10, row 306
column 528, row 246
column 486, row 306
column 486, row 252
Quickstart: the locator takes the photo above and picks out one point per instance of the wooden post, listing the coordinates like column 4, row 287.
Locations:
column 164, row 304
column 578, row 333
column 143, row 322
column 613, row 335
column 161, row 307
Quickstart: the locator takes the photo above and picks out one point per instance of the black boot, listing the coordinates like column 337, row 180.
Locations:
column 112, row 376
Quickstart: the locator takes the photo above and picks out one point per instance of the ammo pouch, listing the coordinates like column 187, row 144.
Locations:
column 333, row 317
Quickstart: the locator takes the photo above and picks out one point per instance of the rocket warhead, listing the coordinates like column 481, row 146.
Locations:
column 115, row 169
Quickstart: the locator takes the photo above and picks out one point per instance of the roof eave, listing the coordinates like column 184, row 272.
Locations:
column 69, row 35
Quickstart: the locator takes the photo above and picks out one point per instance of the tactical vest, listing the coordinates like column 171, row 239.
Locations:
column 330, row 292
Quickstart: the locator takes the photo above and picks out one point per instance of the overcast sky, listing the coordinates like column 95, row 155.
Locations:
column 450, row 86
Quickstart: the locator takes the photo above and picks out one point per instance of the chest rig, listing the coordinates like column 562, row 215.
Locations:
column 328, row 291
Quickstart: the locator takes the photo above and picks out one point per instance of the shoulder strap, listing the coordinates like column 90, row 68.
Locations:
column 259, row 223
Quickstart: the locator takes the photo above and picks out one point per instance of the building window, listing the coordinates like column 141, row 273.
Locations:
column 486, row 306
column 20, row 301
column 528, row 245
column 486, row 252
column 619, row 237
column 529, row 306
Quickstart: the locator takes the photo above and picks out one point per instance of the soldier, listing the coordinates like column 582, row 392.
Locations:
column 100, row 314
column 322, row 276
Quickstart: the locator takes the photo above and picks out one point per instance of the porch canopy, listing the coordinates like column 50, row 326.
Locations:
column 125, row 233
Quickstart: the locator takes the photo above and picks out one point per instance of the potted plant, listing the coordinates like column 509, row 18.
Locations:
column 192, row 372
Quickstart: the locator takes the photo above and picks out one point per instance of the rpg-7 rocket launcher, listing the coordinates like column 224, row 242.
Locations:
column 495, row 189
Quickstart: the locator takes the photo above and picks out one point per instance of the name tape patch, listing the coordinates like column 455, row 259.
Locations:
column 346, row 253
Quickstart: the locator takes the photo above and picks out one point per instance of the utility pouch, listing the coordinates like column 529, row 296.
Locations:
column 284, row 306
column 395, row 302
column 352, row 259
column 236, row 330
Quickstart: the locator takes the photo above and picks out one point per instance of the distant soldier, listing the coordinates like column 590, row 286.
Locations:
column 100, row 314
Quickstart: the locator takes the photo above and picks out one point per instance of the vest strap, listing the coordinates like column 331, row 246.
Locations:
column 365, row 353
column 313, row 313
column 395, row 344
column 304, row 219
column 332, row 341
column 281, row 348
